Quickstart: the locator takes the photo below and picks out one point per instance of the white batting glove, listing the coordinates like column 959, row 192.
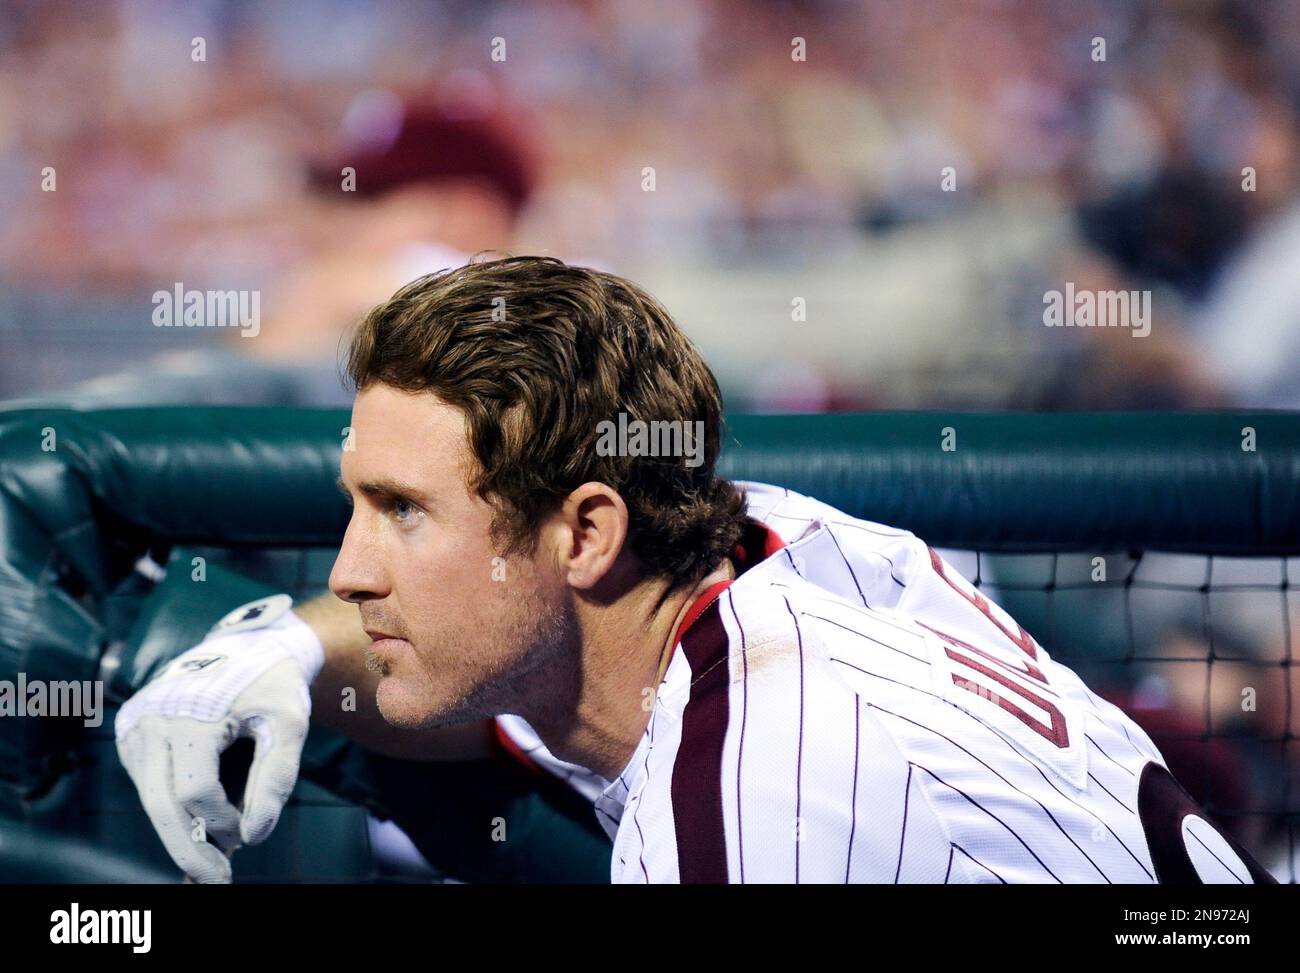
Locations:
column 249, row 678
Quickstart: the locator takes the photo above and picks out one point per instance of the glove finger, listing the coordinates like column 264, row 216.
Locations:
column 196, row 779
column 198, row 859
column 274, row 772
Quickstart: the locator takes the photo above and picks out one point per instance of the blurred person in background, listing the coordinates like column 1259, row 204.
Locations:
column 1186, row 186
column 420, row 186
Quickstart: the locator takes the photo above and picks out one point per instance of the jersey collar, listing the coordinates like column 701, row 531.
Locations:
column 757, row 543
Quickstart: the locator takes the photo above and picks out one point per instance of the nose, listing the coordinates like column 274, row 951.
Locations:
column 358, row 574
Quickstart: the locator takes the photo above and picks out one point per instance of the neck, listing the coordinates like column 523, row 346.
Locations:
column 625, row 648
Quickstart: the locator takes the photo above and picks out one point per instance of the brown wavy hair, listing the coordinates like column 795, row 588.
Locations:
column 536, row 353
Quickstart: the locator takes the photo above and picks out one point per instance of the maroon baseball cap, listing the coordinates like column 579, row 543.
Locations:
column 392, row 143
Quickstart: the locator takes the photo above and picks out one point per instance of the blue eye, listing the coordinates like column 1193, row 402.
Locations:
column 403, row 509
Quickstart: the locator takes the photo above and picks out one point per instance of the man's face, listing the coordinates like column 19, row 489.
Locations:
column 418, row 559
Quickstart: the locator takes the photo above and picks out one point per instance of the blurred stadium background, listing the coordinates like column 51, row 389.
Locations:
column 777, row 183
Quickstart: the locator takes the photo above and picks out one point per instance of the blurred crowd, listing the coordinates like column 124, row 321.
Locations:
column 848, row 204
column 915, row 176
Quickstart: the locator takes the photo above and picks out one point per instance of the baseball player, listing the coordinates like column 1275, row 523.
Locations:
column 748, row 684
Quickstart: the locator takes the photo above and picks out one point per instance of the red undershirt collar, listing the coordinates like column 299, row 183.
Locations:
column 757, row 543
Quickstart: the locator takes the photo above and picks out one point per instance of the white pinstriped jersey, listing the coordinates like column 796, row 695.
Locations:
column 850, row 709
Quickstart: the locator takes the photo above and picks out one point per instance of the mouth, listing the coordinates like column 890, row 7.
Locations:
column 382, row 645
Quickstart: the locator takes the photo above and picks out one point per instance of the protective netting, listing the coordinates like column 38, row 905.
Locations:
column 1199, row 650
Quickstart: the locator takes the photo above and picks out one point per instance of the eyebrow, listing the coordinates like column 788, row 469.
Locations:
column 383, row 487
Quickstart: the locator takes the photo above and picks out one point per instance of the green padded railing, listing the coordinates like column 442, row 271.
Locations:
column 1058, row 481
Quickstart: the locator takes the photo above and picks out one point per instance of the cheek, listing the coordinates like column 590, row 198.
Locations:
column 453, row 587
